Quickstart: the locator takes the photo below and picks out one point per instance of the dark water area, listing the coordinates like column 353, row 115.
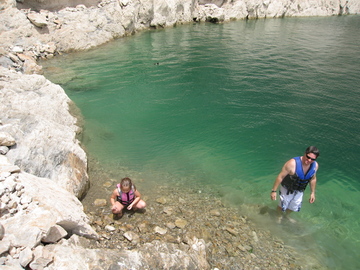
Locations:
column 224, row 106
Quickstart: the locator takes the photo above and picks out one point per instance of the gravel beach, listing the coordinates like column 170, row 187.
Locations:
column 176, row 212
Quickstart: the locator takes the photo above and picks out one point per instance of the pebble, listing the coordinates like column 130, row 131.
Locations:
column 100, row 202
column 215, row 213
column 181, row 223
column 161, row 200
column 4, row 150
column 2, row 231
column 160, row 230
column 232, row 231
column 229, row 235
column 110, row 228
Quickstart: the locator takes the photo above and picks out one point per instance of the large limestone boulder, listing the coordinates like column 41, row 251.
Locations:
column 36, row 113
column 35, row 212
column 48, row 206
column 72, row 254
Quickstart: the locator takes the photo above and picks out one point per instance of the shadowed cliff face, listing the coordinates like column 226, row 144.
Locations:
column 54, row 5
column 219, row 3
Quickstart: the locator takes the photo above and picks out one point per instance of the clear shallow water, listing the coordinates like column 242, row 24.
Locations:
column 226, row 106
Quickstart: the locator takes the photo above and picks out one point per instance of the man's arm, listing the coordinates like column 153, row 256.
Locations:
column 312, row 188
column 288, row 168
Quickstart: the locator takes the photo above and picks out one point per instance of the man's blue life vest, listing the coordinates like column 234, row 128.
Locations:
column 299, row 180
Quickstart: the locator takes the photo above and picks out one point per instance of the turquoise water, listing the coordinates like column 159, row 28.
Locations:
column 226, row 106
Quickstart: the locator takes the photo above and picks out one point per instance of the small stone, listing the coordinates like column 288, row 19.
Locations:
column 5, row 198
column 107, row 184
column 25, row 199
column 256, row 239
column 132, row 237
column 37, row 19
column 110, row 228
column 25, row 256
column 160, row 230
column 241, row 247
column 161, row 200
column 6, row 139
column 5, row 245
column 99, row 222
column 12, row 204
column 2, row 231
column 100, row 202
column 170, row 225
column 20, row 193
column 181, row 223
column 215, row 213
column 17, row 49
column 232, row 231
column 248, row 248
column 4, row 150
column 54, row 234
column 168, row 210
column 19, row 187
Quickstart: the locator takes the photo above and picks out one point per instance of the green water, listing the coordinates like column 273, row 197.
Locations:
column 226, row 106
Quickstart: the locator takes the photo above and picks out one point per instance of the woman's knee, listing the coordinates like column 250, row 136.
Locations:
column 141, row 204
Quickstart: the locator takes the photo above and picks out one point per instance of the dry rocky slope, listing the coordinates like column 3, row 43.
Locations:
column 43, row 169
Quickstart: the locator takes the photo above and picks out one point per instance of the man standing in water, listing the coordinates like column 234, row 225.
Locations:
column 294, row 177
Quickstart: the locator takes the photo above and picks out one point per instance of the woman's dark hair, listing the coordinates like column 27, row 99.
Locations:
column 312, row 149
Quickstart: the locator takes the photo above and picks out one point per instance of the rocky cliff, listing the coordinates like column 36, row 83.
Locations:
column 33, row 29
column 43, row 170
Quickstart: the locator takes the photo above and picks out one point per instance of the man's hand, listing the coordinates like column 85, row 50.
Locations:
column 312, row 198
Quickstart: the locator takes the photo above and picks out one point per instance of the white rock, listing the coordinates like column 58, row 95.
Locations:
column 25, row 257
column 19, row 187
column 160, row 230
column 10, row 184
column 54, row 234
column 17, row 49
column 256, row 239
column 5, row 244
column 38, row 20
column 12, row 204
column 25, row 199
column 5, row 198
column 4, row 150
column 6, row 139
column 132, row 237
column 110, row 228
column 58, row 206
column 46, row 130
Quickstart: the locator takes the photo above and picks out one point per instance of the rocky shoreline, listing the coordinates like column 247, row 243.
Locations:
column 180, row 215
column 43, row 169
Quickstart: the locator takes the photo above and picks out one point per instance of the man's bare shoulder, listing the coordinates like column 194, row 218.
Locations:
column 290, row 166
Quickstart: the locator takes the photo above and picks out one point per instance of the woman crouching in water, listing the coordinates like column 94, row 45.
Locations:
column 125, row 195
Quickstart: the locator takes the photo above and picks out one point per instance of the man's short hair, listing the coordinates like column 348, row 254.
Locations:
column 312, row 149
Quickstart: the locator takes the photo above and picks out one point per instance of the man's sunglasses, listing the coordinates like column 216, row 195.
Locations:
column 310, row 158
